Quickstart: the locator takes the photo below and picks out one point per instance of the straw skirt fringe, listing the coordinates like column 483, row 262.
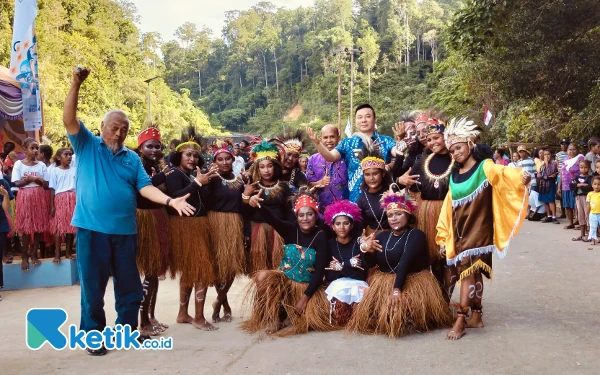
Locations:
column 266, row 248
column 191, row 256
column 33, row 206
column 153, row 255
column 422, row 306
column 227, row 244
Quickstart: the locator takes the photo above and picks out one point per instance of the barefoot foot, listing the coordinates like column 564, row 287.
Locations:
column 458, row 330
column 25, row 264
column 69, row 256
column 35, row 261
column 150, row 330
column 216, row 315
column 155, row 322
column 273, row 328
column 204, row 325
column 476, row 320
column 184, row 318
column 56, row 260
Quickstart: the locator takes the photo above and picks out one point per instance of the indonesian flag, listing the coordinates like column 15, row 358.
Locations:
column 487, row 117
column 24, row 62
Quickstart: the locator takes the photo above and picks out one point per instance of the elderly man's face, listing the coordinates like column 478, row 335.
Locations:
column 114, row 131
column 329, row 137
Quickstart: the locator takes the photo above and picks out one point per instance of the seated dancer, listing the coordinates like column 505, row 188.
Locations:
column 286, row 293
column 428, row 182
column 292, row 145
column 403, row 295
column 266, row 246
column 153, row 235
column 376, row 180
column 347, row 272
column 224, row 205
column 191, row 255
column 485, row 207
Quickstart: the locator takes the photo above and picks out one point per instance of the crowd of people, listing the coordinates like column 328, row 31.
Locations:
column 562, row 180
column 371, row 234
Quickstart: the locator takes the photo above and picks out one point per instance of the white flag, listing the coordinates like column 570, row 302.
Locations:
column 348, row 129
column 24, row 62
column 487, row 117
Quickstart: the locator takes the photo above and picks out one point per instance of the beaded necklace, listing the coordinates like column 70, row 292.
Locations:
column 392, row 248
column 268, row 189
column 379, row 226
column 230, row 183
column 436, row 177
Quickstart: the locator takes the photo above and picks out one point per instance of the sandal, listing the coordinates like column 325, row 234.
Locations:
column 586, row 240
column 576, row 239
column 570, row 226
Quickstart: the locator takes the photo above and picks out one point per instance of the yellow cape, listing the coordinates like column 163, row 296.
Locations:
column 510, row 199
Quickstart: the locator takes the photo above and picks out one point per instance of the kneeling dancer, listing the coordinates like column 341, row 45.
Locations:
column 285, row 294
column 347, row 272
column 485, row 207
column 403, row 294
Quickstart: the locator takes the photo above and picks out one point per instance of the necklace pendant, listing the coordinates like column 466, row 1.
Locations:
column 436, row 184
column 266, row 192
column 224, row 183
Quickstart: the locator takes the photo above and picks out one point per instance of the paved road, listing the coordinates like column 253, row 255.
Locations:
column 541, row 314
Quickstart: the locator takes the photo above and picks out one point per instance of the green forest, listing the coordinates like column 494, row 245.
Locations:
column 534, row 63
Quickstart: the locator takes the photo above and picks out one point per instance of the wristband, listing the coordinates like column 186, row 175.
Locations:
column 168, row 201
column 361, row 248
column 198, row 182
column 244, row 196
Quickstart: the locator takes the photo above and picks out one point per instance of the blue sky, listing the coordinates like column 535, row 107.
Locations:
column 166, row 16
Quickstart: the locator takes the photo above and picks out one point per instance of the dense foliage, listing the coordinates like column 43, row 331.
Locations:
column 100, row 34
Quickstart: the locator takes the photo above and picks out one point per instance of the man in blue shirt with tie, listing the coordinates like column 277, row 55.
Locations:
column 108, row 177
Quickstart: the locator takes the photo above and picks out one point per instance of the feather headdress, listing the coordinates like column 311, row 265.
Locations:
column 149, row 131
column 461, row 130
column 396, row 201
column 263, row 151
column 371, row 155
column 342, row 208
column 190, row 140
column 222, row 145
column 291, row 142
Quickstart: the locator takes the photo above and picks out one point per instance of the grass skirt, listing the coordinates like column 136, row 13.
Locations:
column 153, row 242
column 266, row 248
column 428, row 214
column 191, row 258
column 227, row 244
column 276, row 299
column 64, row 206
column 422, row 306
column 33, row 206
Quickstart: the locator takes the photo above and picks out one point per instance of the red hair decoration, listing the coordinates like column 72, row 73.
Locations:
column 304, row 201
column 148, row 134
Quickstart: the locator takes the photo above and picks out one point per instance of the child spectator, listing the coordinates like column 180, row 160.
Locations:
column 593, row 200
column 62, row 202
column 597, row 169
column 582, row 185
column 30, row 176
column 514, row 161
column 546, row 177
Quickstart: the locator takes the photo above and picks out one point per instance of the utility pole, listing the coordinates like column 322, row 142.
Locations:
column 149, row 109
column 351, row 53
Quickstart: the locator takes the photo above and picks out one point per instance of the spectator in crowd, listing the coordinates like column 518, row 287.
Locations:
column 528, row 165
column 581, row 186
column 547, row 185
column 8, row 148
column 537, row 209
column 569, row 170
column 499, row 157
column 239, row 167
column 303, row 161
column 593, row 200
column 594, row 150
column 514, row 160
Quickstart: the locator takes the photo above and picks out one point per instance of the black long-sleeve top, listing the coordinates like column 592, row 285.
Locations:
column 371, row 210
column 179, row 184
column 343, row 253
column 291, row 234
column 299, row 178
column 438, row 165
column 280, row 206
column 223, row 198
column 157, row 179
column 403, row 255
column 582, row 190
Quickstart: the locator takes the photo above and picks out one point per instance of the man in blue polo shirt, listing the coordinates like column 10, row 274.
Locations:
column 108, row 178
column 350, row 148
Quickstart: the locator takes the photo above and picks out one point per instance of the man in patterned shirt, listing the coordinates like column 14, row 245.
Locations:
column 350, row 149
column 527, row 164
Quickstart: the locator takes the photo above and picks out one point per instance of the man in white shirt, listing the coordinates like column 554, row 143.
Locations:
column 238, row 162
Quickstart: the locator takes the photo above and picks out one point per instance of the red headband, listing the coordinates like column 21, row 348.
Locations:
column 148, row 134
column 304, row 201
